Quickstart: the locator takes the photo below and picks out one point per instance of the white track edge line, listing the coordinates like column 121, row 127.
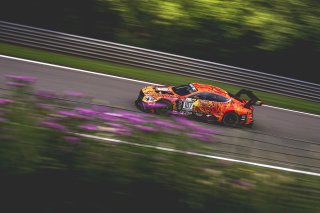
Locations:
column 76, row 69
column 127, row 79
column 201, row 155
column 290, row 110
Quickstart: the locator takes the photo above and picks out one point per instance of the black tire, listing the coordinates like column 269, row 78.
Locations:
column 230, row 119
column 139, row 105
column 165, row 109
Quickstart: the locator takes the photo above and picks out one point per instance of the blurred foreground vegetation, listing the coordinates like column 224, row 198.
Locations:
column 281, row 37
column 45, row 167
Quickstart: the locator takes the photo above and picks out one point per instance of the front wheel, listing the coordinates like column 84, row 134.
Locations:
column 164, row 107
column 140, row 105
column 230, row 119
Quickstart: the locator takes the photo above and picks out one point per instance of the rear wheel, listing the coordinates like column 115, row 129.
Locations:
column 230, row 119
column 164, row 107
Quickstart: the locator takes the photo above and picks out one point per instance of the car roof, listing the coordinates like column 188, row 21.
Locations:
column 210, row 88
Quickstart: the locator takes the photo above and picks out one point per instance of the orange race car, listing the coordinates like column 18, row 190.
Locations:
column 199, row 101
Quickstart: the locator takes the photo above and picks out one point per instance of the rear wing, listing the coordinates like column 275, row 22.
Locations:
column 253, row 99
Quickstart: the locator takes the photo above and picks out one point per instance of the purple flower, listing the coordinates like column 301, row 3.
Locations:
column 183, row 120
column 245, row 184
column 159, row 122
column 136, row 120
column 175, row 113
column 53, row 125
column 73, row 94
column 195, row 127
column 199, row 137
column 45, row 106
column 133, row 115
column 117, row 125
column 5, row 101
column 204, row 130
column 167, row 124
column 124, row 132
column 158, row 105
column 88, row 112
column 67, row 113
column 15, row 84
column 107, row 117
column 22, row 79
column 89, row 127
column 3, row 111
column 100, row 108
column 53, row 119
column 71, row 139
column 3, row 120
column 46, row 94
column 114, row 114
column 128, row 114
column 118, row 129
column 146, row 128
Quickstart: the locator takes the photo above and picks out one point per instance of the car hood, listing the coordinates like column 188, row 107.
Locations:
column 158, row 91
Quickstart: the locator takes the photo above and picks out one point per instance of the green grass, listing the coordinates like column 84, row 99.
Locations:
column 146, row 75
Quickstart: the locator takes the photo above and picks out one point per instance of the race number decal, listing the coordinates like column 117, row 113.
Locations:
column 187, row 105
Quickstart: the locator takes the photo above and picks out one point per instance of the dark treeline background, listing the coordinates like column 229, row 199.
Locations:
column 280, row 37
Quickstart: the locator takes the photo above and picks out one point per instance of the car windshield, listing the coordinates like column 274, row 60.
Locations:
column 184, row 89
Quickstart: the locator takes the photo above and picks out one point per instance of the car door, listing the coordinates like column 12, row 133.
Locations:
column 216, row 103
column 193, row 101
column 203, row 106
column 197, row 103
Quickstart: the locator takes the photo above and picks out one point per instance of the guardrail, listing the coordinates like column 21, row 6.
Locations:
column 124, row 54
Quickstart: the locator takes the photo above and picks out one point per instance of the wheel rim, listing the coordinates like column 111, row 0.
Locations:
column 231, row 119
column 163, row 109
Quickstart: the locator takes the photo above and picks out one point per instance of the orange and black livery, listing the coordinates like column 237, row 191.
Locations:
column 200, row 101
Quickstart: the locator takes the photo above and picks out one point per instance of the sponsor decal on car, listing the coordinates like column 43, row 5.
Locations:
column 162, row 89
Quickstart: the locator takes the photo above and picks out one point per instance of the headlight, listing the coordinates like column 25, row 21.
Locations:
column 150, row 99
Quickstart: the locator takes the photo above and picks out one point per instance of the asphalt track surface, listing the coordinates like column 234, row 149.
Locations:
column 279, row 137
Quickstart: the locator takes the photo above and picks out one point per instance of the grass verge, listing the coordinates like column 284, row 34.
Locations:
column 146, row 74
